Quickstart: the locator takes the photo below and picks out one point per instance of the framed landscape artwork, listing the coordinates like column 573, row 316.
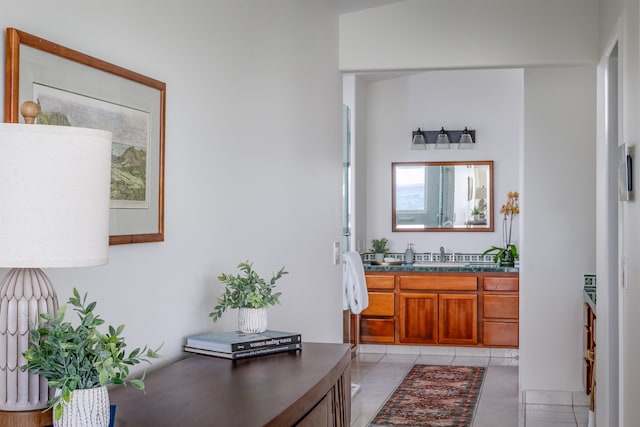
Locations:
column 74, row 89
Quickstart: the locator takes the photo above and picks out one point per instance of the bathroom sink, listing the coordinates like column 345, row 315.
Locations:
column 440, row 264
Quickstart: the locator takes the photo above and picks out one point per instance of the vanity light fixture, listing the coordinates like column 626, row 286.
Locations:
column 466, row 142
column 442, row 138
column 418, row 142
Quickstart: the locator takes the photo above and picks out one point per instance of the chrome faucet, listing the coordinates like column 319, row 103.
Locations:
column 442, row 259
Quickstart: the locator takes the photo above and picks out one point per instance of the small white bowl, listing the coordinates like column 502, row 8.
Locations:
column 389, row 259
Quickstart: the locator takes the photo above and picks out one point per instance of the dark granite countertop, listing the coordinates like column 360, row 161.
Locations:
column 469, row 268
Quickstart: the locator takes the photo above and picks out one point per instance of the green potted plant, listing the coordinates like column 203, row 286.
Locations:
column 506, row 255
column 249, row 293
column 379, row 248
column 79, row 362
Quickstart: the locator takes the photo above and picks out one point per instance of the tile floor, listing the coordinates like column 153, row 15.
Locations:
column 378, row 374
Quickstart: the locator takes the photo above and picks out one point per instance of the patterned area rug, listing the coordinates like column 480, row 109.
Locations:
column 433, row 396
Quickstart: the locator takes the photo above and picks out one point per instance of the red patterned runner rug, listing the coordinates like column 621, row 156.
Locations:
column 433, row 396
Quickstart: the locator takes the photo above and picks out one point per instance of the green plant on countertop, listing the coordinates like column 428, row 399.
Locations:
column 380, row 246
column 81, row 357
column 247, row 291
column 508, row 253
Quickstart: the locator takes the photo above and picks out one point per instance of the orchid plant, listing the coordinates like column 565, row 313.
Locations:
column 506, row 254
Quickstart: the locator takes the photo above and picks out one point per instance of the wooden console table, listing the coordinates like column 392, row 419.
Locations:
column 309, row 387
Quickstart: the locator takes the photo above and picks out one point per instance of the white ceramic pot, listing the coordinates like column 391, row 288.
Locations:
column 379, row 257
column 87, row 407
column 252, row 320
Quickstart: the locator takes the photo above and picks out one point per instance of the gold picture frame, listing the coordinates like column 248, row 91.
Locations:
column 37, row 66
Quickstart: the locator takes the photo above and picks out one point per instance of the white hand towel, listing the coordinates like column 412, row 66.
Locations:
column 355, row 296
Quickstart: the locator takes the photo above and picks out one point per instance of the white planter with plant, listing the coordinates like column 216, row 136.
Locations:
column 249, row 293
column 79, row 362
column 379, row 248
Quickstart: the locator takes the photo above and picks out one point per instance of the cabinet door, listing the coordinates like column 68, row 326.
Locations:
column 418, row 318
column 458, row 319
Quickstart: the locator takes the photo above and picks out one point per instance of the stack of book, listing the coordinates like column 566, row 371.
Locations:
column 238, row 345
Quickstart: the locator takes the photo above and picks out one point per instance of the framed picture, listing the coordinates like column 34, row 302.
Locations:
column 75, row 89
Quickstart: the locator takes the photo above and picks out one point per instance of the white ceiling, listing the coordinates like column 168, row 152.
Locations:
column 345, row 6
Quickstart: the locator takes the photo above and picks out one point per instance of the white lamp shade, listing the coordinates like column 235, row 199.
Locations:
column 442, row 141
column 54, row 196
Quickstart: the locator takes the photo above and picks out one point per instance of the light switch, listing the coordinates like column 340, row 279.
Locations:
column 336, row 253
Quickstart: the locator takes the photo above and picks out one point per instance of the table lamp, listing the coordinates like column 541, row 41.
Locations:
column 54, row 212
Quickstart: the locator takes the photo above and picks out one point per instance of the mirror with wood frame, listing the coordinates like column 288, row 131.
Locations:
column 442, row 196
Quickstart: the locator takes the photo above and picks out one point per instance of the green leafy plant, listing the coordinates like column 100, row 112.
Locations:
column 508, row 253
column 74, row 358
column 247, row 291
column 380, row 246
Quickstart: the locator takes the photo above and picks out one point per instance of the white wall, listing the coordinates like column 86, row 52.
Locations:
column 558, row 223
column 620, row 20
column 489, row 101
column 253, row 157
column 505, row 33
column 431, row 34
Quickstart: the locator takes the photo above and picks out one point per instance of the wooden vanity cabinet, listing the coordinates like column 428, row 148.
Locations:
column 431, row 308
column 434, row 311
column 500, row 311
column 377, row 321
column 589, row 359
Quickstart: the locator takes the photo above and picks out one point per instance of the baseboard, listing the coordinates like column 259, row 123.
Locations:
column 554, row 397
column 438, row 350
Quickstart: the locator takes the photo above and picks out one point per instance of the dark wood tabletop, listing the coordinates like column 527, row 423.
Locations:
column 277, row 389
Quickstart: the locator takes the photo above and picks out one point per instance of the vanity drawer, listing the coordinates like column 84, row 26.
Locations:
column 439, row 283
column 377, row 330
column 500, row 284
column 380, row 304
column 380, row 281
column 500, row 334
column 500, row 306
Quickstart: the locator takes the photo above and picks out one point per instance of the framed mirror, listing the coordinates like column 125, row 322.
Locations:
column 442, row 196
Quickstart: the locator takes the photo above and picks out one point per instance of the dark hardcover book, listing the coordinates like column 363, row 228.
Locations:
column 230, row 342
column 246, row 353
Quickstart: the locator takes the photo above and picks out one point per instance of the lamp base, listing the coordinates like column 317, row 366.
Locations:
column 24, row 294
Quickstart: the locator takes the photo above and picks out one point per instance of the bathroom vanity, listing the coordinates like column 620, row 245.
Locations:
column 470, row 306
